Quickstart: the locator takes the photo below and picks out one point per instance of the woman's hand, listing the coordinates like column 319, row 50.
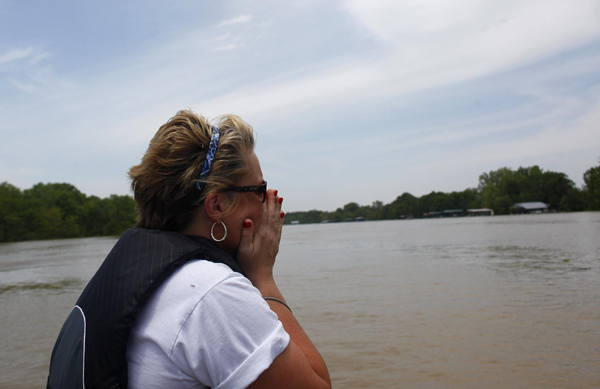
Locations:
column 300, row 365
column 259, row 245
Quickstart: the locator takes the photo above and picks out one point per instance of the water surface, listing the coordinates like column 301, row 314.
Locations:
column 496, row 302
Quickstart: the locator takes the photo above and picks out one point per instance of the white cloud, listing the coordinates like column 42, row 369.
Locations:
column 411, row 46
column 580, row 134
column 237, row 20
column 231, row 46
column 429, row 44
column 15, row 55
column 22, row 86
column 28, row 70
column 222, row 37
column 570, row 136
column 279, row 99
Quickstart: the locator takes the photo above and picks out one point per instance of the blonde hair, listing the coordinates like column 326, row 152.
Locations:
column 164, row 183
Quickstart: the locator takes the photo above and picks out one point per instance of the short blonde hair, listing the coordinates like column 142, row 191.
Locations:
column 164, row 183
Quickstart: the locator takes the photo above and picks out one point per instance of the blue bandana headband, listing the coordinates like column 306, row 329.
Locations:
column 210, row 156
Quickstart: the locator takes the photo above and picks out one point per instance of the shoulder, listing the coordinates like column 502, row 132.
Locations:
column 210, row 323
column 202, row 271
column 172, row 303
column 205, row 285
column 207, row 295
column 231, row 335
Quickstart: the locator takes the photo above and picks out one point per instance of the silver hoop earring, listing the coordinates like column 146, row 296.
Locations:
column 212, row 234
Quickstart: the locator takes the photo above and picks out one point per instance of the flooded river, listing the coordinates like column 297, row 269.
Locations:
column 495, row 302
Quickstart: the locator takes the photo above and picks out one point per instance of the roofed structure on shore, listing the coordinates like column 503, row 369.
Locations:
column 454, row 212
column 480, row 212
column 433, row 214
column 445, row 213
column 532, row 207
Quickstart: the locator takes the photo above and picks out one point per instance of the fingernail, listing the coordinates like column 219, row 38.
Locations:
column 247, row 224
column 280, row 200
column 275, row 192
column 282, row 214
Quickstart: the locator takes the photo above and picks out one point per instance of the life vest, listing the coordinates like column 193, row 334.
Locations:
column 90, row 351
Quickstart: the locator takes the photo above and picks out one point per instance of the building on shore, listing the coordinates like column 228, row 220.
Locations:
column 480, row 212
column 454, row 212
column 444, row 213
column 531, row 207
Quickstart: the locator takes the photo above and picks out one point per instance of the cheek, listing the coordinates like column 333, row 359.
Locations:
column 256, row 215
column 250, row 210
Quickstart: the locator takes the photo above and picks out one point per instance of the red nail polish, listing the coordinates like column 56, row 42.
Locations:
column 247, row 224
column 282, row 214
column 275, row 192
column 280, row 200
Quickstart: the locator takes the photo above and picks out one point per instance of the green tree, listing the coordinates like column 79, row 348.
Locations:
column 495, row 187
column 57, row 200
column 312, row 216
column 121, row 214
column 12, row 205
column 591, row 177
column 351, row 207
column 336, row 216
column 498, row 189
column 502, row 188
column 52, row 211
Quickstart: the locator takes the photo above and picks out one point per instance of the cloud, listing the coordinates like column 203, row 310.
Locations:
column 222, row 37
column 281, row 98
column 426, row 44
column 22, row 87
column 577, row 136
column 28, row 70
column 15, row 55
column 237, row 20
column 409, row 48
column 231, row 46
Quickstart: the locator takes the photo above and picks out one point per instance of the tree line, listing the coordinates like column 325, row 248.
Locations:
column 56, row 211
column 497, row 190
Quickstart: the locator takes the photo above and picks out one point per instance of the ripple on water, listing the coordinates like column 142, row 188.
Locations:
column 61, row 286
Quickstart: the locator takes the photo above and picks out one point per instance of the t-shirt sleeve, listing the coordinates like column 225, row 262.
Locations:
column 230, row 337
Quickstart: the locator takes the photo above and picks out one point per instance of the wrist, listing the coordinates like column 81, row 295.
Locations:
column 260, row 276
column 267, row 287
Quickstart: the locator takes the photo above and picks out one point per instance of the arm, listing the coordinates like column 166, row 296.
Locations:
column 300, row 365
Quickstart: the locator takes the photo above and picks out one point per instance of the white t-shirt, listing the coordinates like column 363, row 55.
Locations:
column 206, row 326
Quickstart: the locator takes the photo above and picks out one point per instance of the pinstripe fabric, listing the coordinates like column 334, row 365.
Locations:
column 140, row 261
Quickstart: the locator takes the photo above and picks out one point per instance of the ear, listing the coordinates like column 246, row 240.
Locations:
column 213, row 206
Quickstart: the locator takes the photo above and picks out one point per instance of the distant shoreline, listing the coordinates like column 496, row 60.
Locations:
column 60, row 210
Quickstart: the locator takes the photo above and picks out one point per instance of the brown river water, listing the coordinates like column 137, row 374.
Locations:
column 494, row 302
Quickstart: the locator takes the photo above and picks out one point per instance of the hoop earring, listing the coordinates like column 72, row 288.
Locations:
column 212, row 234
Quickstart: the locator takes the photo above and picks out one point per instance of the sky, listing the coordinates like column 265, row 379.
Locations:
column 351, row 101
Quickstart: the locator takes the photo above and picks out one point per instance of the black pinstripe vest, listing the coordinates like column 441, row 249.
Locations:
column 90, row 351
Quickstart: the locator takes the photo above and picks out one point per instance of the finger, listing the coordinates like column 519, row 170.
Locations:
column 278, row 215
column 278, row 200
column 279, row 206
column 272, row 194
column 246, row 242
column 272, row 204
column 265, row 214
column 282, row 220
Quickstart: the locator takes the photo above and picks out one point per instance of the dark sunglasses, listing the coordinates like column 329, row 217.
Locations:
column 260, row 190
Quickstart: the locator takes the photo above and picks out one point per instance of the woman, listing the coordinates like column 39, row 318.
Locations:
column 188, row 298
